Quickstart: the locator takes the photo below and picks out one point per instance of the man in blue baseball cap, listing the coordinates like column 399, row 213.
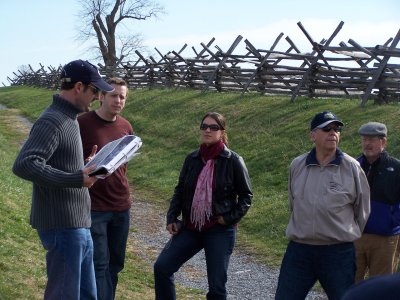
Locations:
column 329, row 205
column 81, row 84
column 52, row 159
column 85, row 72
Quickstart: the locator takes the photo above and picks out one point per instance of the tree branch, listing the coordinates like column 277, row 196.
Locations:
column 102, row 17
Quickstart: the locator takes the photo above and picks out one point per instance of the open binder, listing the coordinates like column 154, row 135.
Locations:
column 114, row 154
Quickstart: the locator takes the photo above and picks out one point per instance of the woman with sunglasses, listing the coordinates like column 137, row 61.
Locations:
column 329, row 203
column 212, row 195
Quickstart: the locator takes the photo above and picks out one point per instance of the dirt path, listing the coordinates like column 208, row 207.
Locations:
column 247, row 279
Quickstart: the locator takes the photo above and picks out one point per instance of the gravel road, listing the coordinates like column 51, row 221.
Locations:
column 247, row 279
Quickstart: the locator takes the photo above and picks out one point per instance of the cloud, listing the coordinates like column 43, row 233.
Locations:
column 367, row 34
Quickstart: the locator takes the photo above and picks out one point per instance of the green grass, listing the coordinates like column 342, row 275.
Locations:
column 20, row 251
column 267, row 131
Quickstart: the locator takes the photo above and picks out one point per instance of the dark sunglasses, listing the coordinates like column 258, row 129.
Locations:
column 94, row 89
column 335, row 129
column 213, row 127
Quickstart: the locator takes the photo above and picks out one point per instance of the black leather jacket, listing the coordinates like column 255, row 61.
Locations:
column 232, row 194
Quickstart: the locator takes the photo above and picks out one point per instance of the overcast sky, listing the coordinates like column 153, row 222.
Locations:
column 43, row 31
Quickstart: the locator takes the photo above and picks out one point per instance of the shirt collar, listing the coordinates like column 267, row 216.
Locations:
column 312, row 158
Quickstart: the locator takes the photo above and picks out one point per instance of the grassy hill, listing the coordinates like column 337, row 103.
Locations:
column 267, row 131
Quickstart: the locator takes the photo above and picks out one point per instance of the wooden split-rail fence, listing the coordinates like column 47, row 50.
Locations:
column 347, row 70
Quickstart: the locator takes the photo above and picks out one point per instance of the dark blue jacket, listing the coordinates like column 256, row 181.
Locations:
column 384, row 179
column 386, row 287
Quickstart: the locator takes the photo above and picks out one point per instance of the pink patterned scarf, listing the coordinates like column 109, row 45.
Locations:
column 202, row 199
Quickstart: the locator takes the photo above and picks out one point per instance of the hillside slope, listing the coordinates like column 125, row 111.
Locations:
column 267, row 131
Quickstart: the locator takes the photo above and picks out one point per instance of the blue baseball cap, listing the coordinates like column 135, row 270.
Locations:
column 84, row 71
column 323, row 119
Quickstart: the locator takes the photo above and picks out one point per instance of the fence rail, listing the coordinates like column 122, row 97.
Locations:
column 346, row 70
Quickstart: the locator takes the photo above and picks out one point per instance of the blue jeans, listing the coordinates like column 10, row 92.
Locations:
column 218, row 243
column 333, row 266
column 110, row 234
column 69, row 263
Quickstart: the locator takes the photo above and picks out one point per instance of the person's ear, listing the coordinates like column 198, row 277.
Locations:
column 79, row 86
column 312, row 136
column 384, row 142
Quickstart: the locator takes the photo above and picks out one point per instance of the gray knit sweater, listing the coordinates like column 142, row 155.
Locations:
column 52, row 158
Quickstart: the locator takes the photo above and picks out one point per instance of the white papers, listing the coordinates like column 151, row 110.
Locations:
column 113, row 155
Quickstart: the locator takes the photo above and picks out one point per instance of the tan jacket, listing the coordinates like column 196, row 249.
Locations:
column 329, row 204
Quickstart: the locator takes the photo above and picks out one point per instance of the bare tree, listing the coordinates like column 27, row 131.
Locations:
column 100, row 21
column 24, row 69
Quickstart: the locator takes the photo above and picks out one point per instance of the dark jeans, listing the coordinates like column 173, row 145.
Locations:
column 69, row 264
column 217, row 242
column 333, row 266
column 110, row 234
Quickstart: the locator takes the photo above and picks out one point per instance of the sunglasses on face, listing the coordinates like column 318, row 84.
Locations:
column 335, row 129
column 94, row 89
column 213, row 127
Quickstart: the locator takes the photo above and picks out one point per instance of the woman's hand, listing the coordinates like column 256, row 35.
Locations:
column 220, row 220
column 174, row 228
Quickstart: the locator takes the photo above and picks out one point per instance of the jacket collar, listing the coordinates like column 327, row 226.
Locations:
column 312, row 158
column 382, row 157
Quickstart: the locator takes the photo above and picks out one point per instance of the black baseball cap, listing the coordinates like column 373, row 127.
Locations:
column 323, row 119
column 84, row 71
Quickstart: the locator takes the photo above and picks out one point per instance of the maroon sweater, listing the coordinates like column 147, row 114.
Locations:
column 111, row 193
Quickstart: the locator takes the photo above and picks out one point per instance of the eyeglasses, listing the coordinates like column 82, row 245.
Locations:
column 371, row 138
column 328, row 129
column 213, row 127
column 95, row 90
